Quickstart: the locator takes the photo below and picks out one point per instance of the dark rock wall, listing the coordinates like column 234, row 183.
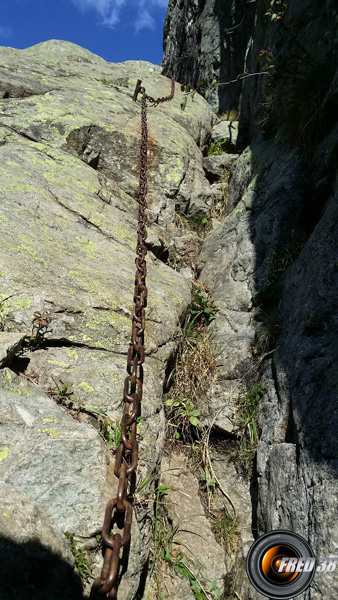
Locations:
column 222, row 39
column 197, row 47
column 284, row 192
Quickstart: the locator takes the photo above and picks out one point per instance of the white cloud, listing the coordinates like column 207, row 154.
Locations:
column 111, row 11
column 5, row 32
column 144, row 20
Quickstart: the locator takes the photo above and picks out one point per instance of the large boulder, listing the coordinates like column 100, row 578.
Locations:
column 69, row 146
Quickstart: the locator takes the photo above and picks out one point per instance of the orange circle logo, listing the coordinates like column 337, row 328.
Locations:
column 277, row 565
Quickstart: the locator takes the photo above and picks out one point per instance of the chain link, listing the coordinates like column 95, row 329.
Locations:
column 119, row 510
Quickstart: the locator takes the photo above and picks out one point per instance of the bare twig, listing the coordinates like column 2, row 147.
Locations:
column 244, row 76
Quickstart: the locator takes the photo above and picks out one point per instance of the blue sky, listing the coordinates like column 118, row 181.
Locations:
column 117, row 30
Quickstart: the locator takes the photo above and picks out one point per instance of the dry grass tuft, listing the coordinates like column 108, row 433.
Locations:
column 195, row 366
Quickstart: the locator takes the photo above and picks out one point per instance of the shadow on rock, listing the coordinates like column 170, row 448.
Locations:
column 30, row 571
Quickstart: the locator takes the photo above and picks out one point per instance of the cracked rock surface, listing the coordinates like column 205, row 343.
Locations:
column 69, row 147
column 295, row 486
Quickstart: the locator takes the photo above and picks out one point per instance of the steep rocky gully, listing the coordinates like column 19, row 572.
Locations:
column 229, row 399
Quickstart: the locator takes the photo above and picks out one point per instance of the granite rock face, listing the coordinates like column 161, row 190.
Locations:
column 197, row 46
column 185, row 509
column 274, row 253
column 296, row 482
column 220, row 40
column 70, row 138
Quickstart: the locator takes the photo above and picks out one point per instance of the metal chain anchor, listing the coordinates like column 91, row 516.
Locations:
column 119, row 510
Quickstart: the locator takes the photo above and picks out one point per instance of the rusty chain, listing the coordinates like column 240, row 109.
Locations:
column 119, row 510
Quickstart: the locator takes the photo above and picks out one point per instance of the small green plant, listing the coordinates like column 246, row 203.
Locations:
column 199, row 223
column 182, row 414
column 110, row 431
column 208, row 480
column 4, row 311
column 220, row 147
column 276, row 10
column 188, row 92
column 248, row 411
column 180, row 566
column 266, row 60
column 40, row 324
column 194, row 368
column 62, row 394
column 80, row 557
column 202, row 309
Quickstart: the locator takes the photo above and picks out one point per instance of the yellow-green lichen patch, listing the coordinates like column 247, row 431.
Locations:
column 92, row 280
column 31, row 248
column 20, row 303
column 72, row 353
column 12, row 163
column 50, row 420
column 59, row 363
column 21, row 390
column 170, row 293
column 3, row 219
column 111, row 374
column 52, row 432
column 101, row 345
column 87, row 246
column 234, row 214
column 112, row 318
column 124, row 234
column 6, row 513
column 4, row 453
column 13, row 304
column 86, row 387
